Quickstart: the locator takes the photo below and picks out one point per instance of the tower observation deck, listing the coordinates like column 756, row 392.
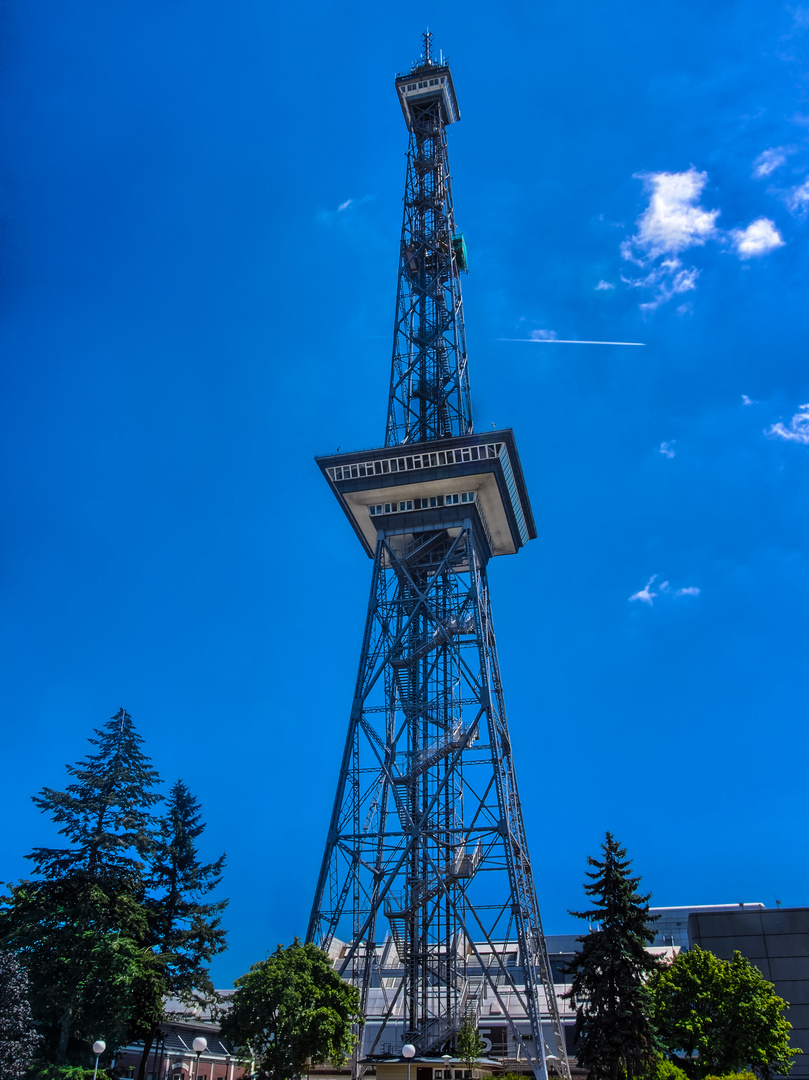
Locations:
column 426, row 855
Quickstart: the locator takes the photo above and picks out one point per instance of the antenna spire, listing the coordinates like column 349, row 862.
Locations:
column 427, row 38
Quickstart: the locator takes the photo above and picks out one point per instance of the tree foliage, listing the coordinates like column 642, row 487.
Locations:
column 615, row 1036
column 720, row 1016
column 469, row 1046
column 105, row 814
column 115, row 919
column 185, row 929
column 19, row 1040
column 290, row 1009
column 82, row 945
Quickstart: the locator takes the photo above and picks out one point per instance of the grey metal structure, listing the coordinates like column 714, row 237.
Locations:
column 426, row 851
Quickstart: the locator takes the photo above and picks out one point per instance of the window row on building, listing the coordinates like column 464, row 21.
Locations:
column 423, row 504
column 427, row 82
column 415, row 461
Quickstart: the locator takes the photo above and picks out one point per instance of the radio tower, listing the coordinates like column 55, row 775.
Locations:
column 426, row 874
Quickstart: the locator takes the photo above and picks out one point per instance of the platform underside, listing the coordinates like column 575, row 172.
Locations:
column 433, row 485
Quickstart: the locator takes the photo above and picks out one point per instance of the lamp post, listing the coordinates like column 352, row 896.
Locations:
column 199, row 1044
column 99, row 1046
column 408, row 1052
column 446, row 1058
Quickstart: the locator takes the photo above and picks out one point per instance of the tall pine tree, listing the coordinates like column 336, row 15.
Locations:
column 80, row 927
column 614, row 1034
column 106, row 813
column 185, row 929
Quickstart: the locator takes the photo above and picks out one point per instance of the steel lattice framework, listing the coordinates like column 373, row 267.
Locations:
column 426, row 866
column 429, row 389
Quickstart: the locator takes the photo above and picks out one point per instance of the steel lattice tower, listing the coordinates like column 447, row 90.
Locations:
column 426, row 863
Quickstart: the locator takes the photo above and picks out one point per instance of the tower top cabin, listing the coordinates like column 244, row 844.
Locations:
column 428, row 81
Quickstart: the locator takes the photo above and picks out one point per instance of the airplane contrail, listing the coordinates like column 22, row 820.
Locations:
column 561, row 341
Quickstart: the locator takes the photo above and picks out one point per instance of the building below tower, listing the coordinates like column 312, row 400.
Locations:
column 775, row 940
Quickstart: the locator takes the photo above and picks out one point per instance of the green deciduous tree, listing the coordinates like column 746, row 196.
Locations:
column 720, row 1016
column 290, row 1009
column 91, row 975
column 19, row 1040
column 469, row 1046
column 615, row 1036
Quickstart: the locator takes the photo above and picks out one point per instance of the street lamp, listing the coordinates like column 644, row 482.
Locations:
column 199, row 1044
column 99, row 1046
column 408, row 1052
column 446, row 1058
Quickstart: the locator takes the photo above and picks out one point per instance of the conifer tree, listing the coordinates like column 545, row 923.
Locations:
column 614, row 1033
column 106, row 813
column 80, row 928
column 185, row 930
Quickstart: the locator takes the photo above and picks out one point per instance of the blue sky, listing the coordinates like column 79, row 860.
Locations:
column 201, row 206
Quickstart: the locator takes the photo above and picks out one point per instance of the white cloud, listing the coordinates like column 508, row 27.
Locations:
column 673, row 220
column 644, row 595
column 345, row 210
column 604, row 285
column 759, row 238
column 543, row 335
column 798, row 198
column 768, row 161
column 667, row 450
column 798, row 429
column 668, row 279
column 748, row 400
